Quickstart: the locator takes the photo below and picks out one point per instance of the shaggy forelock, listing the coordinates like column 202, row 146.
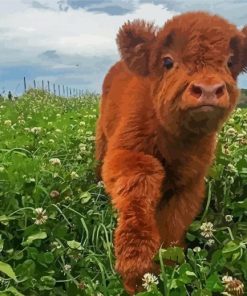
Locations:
column 199, row 37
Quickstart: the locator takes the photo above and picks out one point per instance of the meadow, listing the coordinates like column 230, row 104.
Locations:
column 57, row 223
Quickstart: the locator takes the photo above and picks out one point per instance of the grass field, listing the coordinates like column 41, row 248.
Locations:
column 56, row 222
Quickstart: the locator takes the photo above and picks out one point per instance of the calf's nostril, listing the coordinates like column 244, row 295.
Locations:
column 220, row 91
column 196, row 91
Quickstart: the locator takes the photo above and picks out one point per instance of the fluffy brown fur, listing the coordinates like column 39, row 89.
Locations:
column 156, row 133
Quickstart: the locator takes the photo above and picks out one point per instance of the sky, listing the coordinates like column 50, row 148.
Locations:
column 72, row 42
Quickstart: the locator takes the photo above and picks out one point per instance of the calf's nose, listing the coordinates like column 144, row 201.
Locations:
column 206, row 91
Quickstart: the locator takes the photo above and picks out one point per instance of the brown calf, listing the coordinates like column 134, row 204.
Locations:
column 161, row 107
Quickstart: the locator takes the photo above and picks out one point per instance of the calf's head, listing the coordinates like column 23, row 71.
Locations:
column 191, row 64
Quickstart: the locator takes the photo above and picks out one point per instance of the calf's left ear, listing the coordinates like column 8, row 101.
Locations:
column 244, row 51
column 134, row 40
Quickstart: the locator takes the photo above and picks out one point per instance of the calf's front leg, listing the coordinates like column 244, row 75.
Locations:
column 134, row 181
column 177, row 213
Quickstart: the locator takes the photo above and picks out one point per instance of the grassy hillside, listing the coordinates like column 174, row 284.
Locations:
column 243, row 98
column 56, row 222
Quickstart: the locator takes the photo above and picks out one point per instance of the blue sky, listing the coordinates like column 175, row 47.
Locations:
column 72, row 42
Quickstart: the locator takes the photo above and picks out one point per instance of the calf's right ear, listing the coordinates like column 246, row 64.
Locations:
column 134, row 40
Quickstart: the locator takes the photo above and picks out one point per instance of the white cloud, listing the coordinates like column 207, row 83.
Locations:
column 32, row 31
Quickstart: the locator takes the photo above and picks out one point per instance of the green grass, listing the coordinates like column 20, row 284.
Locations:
column 68, row 249
column 243, row 98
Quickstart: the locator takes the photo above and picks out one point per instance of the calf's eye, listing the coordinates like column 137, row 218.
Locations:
column 168, row 63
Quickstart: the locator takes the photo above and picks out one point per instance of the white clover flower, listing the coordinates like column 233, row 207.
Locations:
column 55, row 245
column 80, row 131
column 92, row 138
column 233, row 286
column 225, row 150
column 230, row 179
column 55, row 161
column 207, row 229
column 228, row 218
column 74, row 175
column 21, row 121
column 82, row 123
column 243, row 141
column 82, row 147
column 149, row 280
column 210, row 242
column 36, row 130
column 226, row 279
column 241, row 135
column 31, row 180
column 197, row 249
column 81, row 285
column 54, row 194
column 231, row 120
column 100, row 184
column 231, row 131
column 39, row 210
column 67, row 267
column 230, row 167
column 41, row 216
column 8, row 122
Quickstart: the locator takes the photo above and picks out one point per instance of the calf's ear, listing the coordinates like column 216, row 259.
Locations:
column 134, row 40
column 244, row 51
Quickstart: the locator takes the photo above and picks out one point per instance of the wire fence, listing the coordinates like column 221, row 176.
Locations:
column 60, row 90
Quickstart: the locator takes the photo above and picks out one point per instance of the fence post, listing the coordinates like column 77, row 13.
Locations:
column 61, row 90
column 25, row 85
